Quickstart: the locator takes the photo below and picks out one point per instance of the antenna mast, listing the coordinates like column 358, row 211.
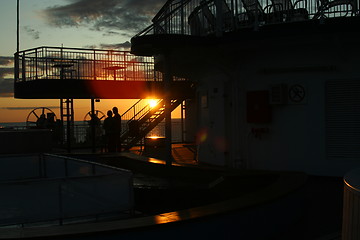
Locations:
column 17, row 27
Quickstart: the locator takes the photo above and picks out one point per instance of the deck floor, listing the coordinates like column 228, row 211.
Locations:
column 322, row 197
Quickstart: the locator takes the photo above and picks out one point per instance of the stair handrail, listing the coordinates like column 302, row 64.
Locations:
column 135, row 112
column 148, row 123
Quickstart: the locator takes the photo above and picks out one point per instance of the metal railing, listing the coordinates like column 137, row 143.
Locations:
column 138, row 110
column 56, row 190
column 200, row 17
column 85, row 64
column 82, row 138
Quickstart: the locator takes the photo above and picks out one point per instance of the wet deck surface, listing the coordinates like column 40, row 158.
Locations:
column 322, row 218
column 321, row 199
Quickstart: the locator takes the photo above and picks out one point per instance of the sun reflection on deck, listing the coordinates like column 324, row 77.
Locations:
column 167, row 217
column 154, row 160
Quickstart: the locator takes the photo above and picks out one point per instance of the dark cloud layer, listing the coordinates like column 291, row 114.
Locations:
column 6, row 83
column 125, row 46
column 5, row 71
column 120, row 46
column 6, row 61
column 105, row 15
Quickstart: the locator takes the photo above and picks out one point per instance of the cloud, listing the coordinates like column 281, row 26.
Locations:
column 90, row 46
column 32, row 32
column 6, row 61
column 6, row 83
column 104, row 15
column 111, row 33
column 125, row 46
column 120, row 46
column 5, row 71
column 6, row 87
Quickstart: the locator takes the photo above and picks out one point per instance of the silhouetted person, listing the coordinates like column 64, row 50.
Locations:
column 109, row 132
column 94, row 121
column 41, row 121
column 93, row 133
column 117, row 128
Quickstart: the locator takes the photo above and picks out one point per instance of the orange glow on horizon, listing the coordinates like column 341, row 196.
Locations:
column 17, row 110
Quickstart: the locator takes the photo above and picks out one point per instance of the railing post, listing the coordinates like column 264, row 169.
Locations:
column 256, row 22
column 182, row 121
column 36, row 64
column 219, row 18
column 16, row 67
column 94, row 68
column 23, row 68
column 182, row 20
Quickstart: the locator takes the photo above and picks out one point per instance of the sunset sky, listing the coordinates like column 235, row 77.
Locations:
column 101, row 24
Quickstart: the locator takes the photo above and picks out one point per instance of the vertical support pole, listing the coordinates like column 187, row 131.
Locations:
column 68, row 125
column 167, row 78
column 92, row 125
column 182, row 122
column 62, row 120
column 17, row 43
column 69, row 119
column 17, row 26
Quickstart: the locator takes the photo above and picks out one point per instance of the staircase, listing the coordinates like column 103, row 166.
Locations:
column 141, row 119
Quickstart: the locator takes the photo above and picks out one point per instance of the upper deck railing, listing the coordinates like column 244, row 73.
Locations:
column 85, row 64
column 204, row 17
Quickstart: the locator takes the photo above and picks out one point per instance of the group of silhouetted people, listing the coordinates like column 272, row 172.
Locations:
column 46, row 122
column 112, row 127
column 49, row 121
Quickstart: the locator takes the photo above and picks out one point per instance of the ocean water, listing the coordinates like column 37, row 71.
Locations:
column 81, row 129
column 12, row 125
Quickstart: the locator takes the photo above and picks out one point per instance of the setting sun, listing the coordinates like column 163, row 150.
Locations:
column 153, row 102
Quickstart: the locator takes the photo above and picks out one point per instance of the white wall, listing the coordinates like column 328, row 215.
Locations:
column 211, row 137
column 296, row 137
